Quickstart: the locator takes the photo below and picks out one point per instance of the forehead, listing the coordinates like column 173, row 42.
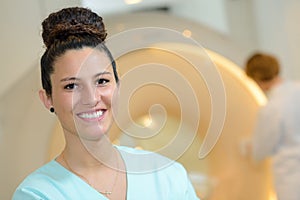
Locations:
column 82, row 62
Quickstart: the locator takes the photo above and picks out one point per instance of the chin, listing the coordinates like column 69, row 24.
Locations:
column 91, row 132
column 92, row 137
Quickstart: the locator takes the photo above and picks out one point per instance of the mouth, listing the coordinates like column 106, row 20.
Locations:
column 92, row 115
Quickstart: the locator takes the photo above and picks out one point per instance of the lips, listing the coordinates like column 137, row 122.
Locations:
column 92, row 115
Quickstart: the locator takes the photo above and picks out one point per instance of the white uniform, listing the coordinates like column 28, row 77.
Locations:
column 278, row 135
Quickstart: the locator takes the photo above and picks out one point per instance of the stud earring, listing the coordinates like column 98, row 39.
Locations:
column 52, row 109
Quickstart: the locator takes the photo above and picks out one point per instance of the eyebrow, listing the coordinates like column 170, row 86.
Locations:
column 75, row 78
column 102, row 73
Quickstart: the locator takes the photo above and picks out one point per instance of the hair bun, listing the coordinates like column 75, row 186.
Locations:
column 76, row 22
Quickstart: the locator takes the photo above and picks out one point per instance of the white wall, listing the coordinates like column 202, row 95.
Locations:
column 20, row 44
column 266, row 25
column 210, row 13
column 241, row 24
column 279, row 32
column 233, row 20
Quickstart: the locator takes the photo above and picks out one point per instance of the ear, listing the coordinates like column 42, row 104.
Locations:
column 45, row 98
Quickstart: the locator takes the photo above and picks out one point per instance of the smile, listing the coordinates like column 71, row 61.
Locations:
column 91, row 115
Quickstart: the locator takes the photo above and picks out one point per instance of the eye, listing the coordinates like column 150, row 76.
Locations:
column 102, row 81
column 70, row 86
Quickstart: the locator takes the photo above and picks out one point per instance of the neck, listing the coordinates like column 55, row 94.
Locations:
column 84, row 153
column 277, row 80
column 99, row 175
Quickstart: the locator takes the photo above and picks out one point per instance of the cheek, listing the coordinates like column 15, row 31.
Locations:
column 108, row 94
column 64, row 101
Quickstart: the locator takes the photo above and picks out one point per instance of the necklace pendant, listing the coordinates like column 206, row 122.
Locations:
column 107, row 192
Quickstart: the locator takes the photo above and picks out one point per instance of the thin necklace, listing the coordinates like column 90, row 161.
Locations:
column 106, row 192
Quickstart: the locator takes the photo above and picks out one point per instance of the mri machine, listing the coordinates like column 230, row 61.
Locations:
column 183, row 110
column 194, row 106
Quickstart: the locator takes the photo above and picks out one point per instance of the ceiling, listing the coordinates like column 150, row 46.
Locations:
column 109, row 7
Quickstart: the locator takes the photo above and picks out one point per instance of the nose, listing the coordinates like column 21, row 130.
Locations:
column 89, row 96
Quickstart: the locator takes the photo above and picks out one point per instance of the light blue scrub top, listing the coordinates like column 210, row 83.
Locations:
column 149, row 176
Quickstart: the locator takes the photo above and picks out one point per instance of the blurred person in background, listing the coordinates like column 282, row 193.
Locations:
column 277, row 131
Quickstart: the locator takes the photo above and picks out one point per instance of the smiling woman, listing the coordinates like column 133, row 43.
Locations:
column 82, row 89
column 80, row 86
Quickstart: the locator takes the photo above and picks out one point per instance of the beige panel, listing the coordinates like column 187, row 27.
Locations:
column 57, row 142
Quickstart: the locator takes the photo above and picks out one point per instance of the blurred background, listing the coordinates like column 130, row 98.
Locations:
column 230, row 30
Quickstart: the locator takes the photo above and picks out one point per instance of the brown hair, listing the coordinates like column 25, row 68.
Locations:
column 262, row 67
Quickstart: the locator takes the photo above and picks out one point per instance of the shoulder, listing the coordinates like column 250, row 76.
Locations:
column 158, row 173
column 284, row 95
column 41, row 179
column 285, row 90
column 143, row 161
column 151, row 164
column 39, row 175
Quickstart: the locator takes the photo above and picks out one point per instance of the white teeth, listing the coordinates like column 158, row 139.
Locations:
column 91, row 115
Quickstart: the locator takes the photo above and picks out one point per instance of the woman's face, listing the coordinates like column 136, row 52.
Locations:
column 83, row 87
